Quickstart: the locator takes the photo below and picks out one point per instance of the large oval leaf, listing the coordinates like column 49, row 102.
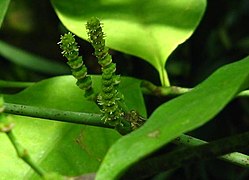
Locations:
column 175, row 117
column 62, row 147
column 148, row 29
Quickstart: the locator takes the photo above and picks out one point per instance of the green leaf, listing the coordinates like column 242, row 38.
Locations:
column 175, row 117
column 3, row 6
column 31, row 61
column 148, row 29
column 62, row 147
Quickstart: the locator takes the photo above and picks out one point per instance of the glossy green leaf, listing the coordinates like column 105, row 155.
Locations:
column 62, row 147
column 3, row 6
column 148, row 29
column 31, row 61
column 175, row 117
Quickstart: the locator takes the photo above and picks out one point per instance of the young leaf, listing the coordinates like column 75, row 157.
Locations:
column 148, row 29
column 175, row 117
column 62, row 147
column 3, row 6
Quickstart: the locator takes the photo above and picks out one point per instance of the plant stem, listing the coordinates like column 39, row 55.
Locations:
column 151, row 89
column 55, row 114
column 179, row 157
column 6, row 127
column 243, row 94
column 164, row 78
column 23, row 154
column 235, row 158
column 14, row 84
column 95, row 120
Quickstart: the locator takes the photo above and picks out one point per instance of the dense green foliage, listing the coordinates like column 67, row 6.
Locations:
column 209, row 62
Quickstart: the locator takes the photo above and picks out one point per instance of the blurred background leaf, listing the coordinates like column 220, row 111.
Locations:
column 3, row 6
column 31, row 61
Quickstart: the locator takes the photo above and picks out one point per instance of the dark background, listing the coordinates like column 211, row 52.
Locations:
column 222, row 37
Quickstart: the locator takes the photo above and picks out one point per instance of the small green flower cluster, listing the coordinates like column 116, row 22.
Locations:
column 70, row 50
column 109, row 98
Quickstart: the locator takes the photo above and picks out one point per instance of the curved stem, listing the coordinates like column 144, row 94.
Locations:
column 23, row 154
column 6, row 127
